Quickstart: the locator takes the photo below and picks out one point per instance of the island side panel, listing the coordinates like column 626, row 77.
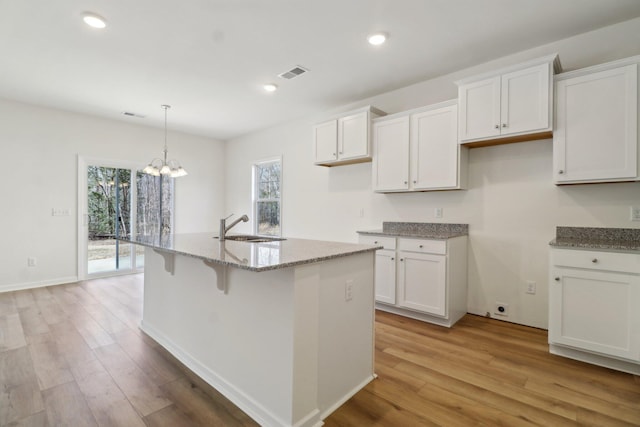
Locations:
column 346, row 345
column 240, row 342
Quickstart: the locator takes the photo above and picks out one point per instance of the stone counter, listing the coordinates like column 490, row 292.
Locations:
column 422, row 230
column 597, row 238
column 261, row 256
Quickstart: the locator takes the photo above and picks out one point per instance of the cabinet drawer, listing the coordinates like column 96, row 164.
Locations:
column 423, row 246
column 597, row 260
column 387, row 242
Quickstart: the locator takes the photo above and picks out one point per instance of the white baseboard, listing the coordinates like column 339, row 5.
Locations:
column 347, row 396
column 39, row 284
column 256, row 411
column 596, row 359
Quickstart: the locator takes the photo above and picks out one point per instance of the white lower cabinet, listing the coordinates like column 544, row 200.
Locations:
column 593, row 307
column 385, row 287
column 422, row 282
column 424, row 279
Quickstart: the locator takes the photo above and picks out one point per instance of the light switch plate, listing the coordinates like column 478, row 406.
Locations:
column 635, row 213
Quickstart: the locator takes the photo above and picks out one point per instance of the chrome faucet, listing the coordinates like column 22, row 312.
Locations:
column 224, row 228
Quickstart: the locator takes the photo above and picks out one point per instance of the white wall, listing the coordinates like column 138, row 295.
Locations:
column 40, row 148
column 511, row 206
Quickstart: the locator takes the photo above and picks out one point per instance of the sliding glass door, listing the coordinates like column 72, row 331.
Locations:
column 109, row 201
column 117, row 200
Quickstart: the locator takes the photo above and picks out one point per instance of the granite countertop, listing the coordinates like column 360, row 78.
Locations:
column 261, row 256
column 424, row 230
column 613, row 239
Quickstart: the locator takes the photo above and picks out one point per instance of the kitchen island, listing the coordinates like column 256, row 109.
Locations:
column 284, row 329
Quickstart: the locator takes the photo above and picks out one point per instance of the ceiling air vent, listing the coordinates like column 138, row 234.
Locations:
column 293, row 73
column 130, row 114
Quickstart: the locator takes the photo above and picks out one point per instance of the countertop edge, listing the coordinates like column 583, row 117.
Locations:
column 413, row 235
column 371, row 248
column 631, row 247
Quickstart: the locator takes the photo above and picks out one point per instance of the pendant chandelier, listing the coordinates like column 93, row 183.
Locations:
column 163, row 166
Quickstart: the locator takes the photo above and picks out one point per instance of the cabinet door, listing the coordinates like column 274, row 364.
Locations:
column 479, row 104
column 525, row 100
column 353, row 136
column 422, row 282
column 385, row 276
column 595, row 311
column 596, row 138
column 325, row 136
column 391, row 154
column 434, row 149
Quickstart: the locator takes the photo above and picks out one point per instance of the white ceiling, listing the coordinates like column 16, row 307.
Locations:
column 209, row 58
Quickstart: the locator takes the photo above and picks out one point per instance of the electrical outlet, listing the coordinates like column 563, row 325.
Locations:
column 501, row 309
column 32, row 262
column 531, row 287
column 635, row 213
column 437, row 212
column 60, row 212
column 348, row 290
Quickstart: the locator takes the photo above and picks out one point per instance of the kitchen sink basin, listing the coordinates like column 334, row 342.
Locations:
column 252, row 239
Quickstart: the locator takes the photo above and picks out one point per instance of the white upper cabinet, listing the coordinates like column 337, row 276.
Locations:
column 434, row 151
column 479, row 109
column 391, row 154
column 509, row 105
column 417, row 150
column 596, row 130
column 325, row 136
column 346, row 139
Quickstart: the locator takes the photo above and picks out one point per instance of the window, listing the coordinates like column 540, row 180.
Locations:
column 267, row 183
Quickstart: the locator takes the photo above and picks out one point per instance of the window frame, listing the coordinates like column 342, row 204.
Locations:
column 255, row 190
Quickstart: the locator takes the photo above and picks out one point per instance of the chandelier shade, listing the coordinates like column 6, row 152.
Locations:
column 163, row 166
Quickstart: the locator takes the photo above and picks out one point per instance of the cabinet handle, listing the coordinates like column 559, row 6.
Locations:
column 557, row 279
column 504, row 125
column 392, row 259
column 340, row 152
column 401, row 259
column 421, row 246
column 415, row 182
column 497, row 126
column 594, row 260
column 334, row 154
column 405, row 182
column 560, row 171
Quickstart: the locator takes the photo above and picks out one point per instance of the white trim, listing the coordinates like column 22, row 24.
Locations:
column 347, row 396
column 552, row 59
column 595, row 359
column 39, row 284
column 256, row 411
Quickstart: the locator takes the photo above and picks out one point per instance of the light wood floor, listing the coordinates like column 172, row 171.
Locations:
column 73, row 355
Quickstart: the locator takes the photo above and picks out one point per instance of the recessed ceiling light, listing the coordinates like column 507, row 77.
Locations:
column 270, row 87
column 93, row 20
column 377, row 39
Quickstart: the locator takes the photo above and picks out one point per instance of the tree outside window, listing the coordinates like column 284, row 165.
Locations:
column 267, row 183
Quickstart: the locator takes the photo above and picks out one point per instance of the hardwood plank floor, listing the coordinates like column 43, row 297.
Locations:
column 73, row 355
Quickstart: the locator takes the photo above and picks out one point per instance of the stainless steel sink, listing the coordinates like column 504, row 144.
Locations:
column 252, row 239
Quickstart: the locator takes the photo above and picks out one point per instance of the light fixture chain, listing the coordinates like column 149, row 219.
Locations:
column 166, row 107
column 172, row 170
